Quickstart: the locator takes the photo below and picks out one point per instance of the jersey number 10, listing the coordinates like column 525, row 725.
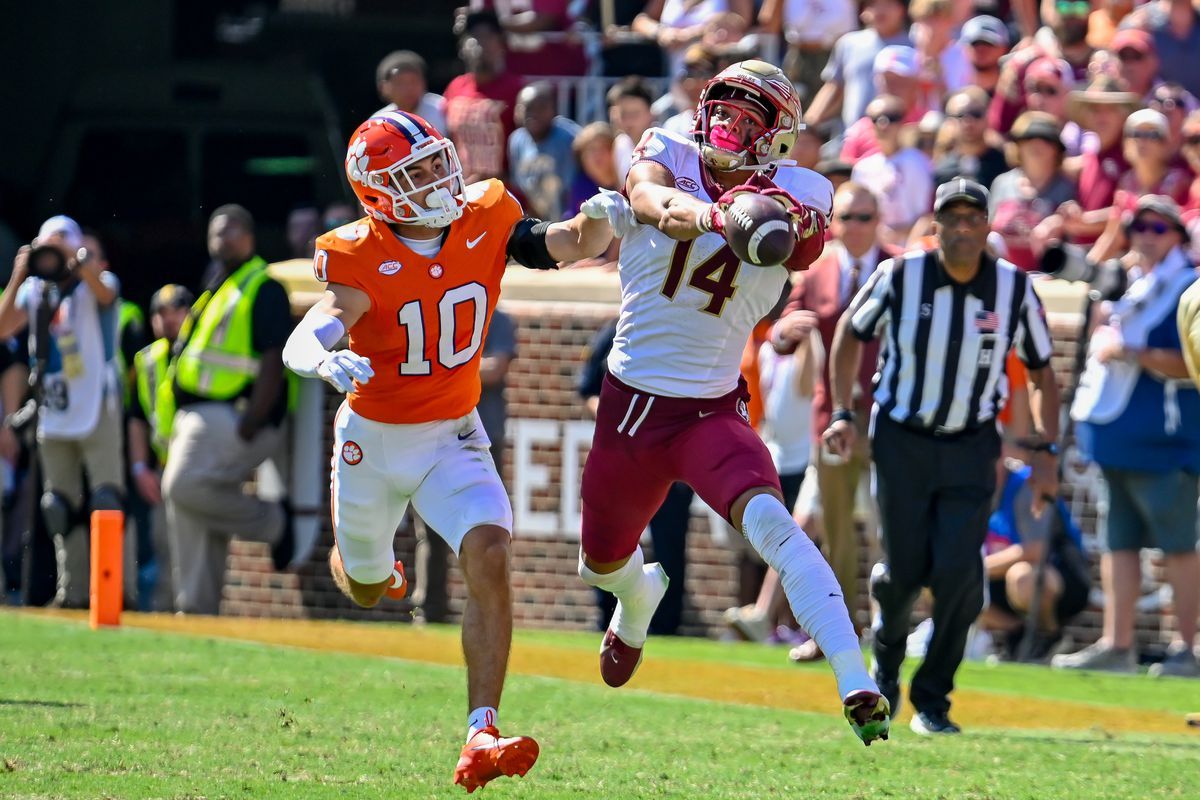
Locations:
column 412, row 318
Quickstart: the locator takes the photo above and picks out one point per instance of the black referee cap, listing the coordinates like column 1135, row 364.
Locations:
column 960, row 189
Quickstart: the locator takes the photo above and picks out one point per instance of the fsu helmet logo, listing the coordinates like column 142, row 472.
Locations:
column 352, row 453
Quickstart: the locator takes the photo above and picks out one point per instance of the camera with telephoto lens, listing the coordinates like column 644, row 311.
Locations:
column 1106, row 281
column 48, row 263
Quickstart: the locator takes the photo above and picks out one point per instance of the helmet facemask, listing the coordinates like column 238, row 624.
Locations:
column 757, row 91
column 720, row 147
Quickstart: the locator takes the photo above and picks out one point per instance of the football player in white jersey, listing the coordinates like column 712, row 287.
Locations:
column 673, row 406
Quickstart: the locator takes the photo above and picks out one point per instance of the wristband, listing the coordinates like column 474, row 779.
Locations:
column 841, row 415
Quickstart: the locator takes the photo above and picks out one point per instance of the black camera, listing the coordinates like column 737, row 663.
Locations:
column 48, row 263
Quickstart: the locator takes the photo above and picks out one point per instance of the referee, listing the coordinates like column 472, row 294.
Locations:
column 947, row 319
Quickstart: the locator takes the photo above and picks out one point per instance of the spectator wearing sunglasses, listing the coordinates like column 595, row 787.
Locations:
column 897, row 72
column 1137, row 60
column 1175, row 27
column 971, row 155
column 900, row 176
column 1033, row 190
column 1190, row 146
column 1175, row 103
column 1047, row 83
column 1139, row 419
column 1064, row 36
column 1151, row 173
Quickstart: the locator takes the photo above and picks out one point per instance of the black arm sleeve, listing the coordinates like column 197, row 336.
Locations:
column 527, row 244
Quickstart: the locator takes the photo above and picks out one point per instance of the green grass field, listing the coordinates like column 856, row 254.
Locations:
column 140, row 714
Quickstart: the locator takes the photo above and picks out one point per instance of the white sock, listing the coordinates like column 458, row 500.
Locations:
column 638, row 587
column 810, row 586
column 481, row 717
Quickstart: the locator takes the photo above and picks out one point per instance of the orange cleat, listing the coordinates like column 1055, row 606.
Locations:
column 487, row 756
column 399, row 585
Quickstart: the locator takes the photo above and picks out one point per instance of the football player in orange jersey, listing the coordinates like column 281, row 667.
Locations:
column 414, row 283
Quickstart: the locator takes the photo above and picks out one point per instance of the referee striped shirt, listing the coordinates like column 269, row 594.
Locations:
column 941, row 364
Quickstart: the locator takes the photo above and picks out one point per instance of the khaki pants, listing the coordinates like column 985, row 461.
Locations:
column 207, row 466
column 63, row 462
column 838, row 487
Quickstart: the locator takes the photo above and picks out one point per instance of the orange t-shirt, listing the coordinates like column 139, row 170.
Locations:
column 1018, row 381
column 425, row 329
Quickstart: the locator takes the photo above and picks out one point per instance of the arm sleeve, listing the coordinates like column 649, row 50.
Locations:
column 1032, row 340
column 272, row 317
column 527, row 244
column 871, row 307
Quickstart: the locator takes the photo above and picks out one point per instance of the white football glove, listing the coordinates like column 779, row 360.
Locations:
column 344, row 367
column 612, row 206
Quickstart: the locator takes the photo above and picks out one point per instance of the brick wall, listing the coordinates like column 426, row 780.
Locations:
column 552, row 338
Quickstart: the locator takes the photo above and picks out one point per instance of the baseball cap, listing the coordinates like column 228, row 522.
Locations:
column 984, row 29
column 898, row 59
column 1037, row 125
column 1166, row 208
column 1132, row 39
column 61, row 225
column 398, row 61
column 1147, row 117
column 1048, row 68
column 172, row 295
column 958, row 190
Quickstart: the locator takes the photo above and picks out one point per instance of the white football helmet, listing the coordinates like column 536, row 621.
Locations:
column 761, row 92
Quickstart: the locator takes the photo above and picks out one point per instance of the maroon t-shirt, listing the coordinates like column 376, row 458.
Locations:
column 1098, row 180
column 531, row 54
column 480, row 118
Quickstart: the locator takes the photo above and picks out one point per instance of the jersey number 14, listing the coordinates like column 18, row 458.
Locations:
column 714, row 275
column 412, row 318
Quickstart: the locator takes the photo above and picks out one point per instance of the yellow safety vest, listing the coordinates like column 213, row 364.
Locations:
column 218, row 361
column 126, row 314
column 150, row 363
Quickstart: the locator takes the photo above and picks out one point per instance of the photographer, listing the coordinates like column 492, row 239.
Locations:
column 69, row 304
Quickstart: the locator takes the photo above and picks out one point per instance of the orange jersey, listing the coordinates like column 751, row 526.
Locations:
column 425, row 329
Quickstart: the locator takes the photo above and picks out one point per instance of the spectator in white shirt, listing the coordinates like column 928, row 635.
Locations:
column 945, row 67
column 900, row 177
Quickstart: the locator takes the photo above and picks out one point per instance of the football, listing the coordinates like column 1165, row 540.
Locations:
column 759, row 230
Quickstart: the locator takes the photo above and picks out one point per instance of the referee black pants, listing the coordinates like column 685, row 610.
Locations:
column 934, row 498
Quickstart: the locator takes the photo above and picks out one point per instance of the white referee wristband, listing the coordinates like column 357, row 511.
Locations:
column 308, row 346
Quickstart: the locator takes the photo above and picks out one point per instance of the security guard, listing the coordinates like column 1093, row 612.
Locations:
column 230, row 395
column 948, row 318
column 148, row 418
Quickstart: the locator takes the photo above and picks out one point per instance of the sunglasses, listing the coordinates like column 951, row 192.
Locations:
column 970, row 113
column 1142, row 226
column 1129, row 54
column 883, row 120
column 1154, row 136
column 1073, row 8
column 848, row 217
column 972, row 219
column 1166, row 103
column 1046, row 89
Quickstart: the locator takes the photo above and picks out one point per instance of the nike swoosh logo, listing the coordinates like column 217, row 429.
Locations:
column 468, row 435
column 704, row 414
column 472, row 242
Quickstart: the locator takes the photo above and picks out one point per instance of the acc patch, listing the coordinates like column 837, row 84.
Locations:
column 687, row 184
column 352, row 453
column 390, row 267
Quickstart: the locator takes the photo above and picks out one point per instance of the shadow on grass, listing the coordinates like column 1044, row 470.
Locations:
column 4, row 701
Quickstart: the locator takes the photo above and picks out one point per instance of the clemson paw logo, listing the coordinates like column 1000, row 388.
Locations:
column 357, row 160
column 352, row 453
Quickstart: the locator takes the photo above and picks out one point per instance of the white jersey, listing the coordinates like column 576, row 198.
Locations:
column 687, row 308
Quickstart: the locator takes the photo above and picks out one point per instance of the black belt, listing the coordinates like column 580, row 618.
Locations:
column 942, row 436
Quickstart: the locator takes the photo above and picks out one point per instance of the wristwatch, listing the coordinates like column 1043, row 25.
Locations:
column 1046, row 447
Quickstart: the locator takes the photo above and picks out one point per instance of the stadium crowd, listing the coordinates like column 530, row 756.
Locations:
column 1081, row 118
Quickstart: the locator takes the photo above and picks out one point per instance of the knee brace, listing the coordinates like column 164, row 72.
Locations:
column 107, row 497
column 57, row 513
